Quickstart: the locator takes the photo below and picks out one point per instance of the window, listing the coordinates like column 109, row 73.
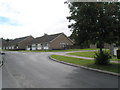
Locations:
column 62, row 44
column 39, row 45
column 16, row 46
column 46, row 44
column 12, row 47
column 29, row 46
column 33, row 45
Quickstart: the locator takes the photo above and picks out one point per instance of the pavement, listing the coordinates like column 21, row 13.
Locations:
column 36, row 70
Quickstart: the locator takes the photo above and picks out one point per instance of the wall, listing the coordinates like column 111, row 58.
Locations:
column 106, row 45
column 93, row 46
column 23, row 43
column 56, row 43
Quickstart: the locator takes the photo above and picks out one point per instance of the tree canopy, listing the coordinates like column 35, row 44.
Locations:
column 95, row 22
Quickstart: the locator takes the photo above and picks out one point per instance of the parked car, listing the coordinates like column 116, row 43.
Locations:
column 1, row 59
column 2, row 53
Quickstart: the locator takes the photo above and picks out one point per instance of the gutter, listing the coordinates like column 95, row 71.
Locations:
column 88, row 68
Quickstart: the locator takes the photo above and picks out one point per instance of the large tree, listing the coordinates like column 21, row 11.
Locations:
column 95, row 22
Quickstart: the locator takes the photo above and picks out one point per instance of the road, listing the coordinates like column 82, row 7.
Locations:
column 0, row 78
column 0, row 73
column 36, row 70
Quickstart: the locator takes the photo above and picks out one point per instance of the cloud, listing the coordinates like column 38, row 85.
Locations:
column 6, row 7
column 33, row 17
column 7, row 21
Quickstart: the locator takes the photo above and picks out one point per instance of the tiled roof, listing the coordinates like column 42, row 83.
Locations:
column 17, row 40
column 45, row 38
column 4, row 42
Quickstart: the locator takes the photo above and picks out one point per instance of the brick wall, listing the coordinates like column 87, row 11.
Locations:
column 56, row 43
column 23, row 43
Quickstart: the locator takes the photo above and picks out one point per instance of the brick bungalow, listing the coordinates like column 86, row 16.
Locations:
column 0, row 44
column 50, row 42
column 18, row 43
column 4, row 43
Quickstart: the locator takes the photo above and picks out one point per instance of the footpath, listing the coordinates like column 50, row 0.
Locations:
column 65, row 54
column 88, row 68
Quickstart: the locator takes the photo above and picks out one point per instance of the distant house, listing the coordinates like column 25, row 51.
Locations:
column 4, row 43
column 97, row 46
column 18, row 43
column 50, row 42
column 113, row 49
column 0, row 44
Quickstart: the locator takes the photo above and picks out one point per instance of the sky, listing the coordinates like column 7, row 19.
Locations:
column 19, row 18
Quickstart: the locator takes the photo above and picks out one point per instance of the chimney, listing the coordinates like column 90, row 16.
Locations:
column 45, row 34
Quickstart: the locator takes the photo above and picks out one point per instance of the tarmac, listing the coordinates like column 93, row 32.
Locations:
column 36, row 70
column 0, row 60
column 0, row 72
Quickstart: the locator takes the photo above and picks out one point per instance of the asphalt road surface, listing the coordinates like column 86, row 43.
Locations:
column 0, row 72
column 0, row 78
column 36, row 70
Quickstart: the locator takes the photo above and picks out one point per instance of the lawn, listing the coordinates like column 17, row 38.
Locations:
column 83, row 54
column 113, row 67
column 67, row 50
column 90, row 54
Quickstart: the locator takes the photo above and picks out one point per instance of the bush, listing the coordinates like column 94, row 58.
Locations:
column 102, row 58
column 118, row 53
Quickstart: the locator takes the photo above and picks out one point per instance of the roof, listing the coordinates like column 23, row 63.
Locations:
column 17, row 40
column 45, row 38
column 4, row 42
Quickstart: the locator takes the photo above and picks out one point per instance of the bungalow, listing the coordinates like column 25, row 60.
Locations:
column 0, row 44
column 106, row 45
column 4, row 43
column 50, row 42
column 113, row 49
column 18, row 43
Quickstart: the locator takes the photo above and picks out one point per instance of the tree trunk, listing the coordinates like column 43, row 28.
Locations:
column 101, row 51
column 101, row 46
column 118, row 54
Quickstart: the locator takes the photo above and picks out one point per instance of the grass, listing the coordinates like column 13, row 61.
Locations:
column 72, row 60
column 90, row 54
column 53, row 50
column 113, row 67
column 83, row 54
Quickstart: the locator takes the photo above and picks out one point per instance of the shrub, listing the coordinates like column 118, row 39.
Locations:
column 102, row 58
column 118, row 53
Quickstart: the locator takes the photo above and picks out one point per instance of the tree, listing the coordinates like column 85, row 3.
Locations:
column 97, row 22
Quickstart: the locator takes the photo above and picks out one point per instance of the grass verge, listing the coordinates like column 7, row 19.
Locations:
column 90, row 54
column 113, row 67
column 83, row 54
column 53, row 50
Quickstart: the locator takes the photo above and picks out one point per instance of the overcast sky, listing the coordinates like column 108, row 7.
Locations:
column 20, row 18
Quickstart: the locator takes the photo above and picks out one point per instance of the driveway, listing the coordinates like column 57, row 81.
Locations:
column 36, row 70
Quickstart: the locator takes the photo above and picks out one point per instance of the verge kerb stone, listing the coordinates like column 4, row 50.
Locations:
column 88, row 68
